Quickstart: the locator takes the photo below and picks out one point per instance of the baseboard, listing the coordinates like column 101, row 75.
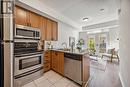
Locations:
column 121, row 80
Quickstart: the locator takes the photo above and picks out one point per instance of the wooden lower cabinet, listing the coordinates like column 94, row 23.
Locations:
column 54, row 60
column 61, row 63
column 46, row 67
column 58, row 62
column 47, row 61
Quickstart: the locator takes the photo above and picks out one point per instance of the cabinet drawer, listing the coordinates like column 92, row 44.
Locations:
column 46, row 61
column 47, row 58
column 46, row 67
column 47, row 54
column 55, row 54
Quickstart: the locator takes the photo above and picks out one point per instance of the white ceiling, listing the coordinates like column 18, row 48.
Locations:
column 78, row 9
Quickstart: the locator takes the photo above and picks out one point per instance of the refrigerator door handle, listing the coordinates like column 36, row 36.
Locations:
column 8, row 41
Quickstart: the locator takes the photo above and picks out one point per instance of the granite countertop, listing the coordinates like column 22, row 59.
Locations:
column 72, row 52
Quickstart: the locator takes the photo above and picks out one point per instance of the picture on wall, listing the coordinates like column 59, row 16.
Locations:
column 71, row 41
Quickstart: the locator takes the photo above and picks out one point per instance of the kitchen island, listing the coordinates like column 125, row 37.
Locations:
column 71, row 64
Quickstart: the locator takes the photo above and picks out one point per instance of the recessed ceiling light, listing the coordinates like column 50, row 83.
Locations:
column 102, row 9
column 85, row 19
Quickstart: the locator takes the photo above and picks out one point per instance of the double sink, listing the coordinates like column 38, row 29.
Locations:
column 64, row 49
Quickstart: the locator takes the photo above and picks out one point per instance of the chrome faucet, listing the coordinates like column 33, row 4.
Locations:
column 72, row 46
column 64, row 44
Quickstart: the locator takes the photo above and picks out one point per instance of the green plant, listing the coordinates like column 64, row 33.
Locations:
column 80, row 44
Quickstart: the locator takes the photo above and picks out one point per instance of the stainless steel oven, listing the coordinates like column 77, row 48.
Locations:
column 28, row 61
column 26, row 32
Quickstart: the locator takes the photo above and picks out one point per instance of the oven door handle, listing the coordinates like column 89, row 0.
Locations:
column 30, row 55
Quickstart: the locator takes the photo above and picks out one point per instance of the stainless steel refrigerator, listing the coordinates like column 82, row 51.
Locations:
column 6, row 43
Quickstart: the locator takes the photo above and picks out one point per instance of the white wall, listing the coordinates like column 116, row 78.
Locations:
column 64, row 32
column 113, row 36
column 125, row 43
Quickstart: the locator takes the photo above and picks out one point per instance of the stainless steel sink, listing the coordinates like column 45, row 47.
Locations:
column 66, row 49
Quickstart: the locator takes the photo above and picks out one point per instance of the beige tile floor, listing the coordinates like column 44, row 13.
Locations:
column 52, row 79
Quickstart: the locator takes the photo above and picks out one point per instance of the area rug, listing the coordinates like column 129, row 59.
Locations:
column 98, row 64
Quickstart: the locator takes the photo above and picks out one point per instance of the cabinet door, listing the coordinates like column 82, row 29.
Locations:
column 55, row 61
column 48, row 31
column 61, row 63
column 20, row 16
column 46, row 67
column 28, row 18
column 47, row 56
column 47, row 60
column 54, row 31
column 43, row 27
column 34, row 20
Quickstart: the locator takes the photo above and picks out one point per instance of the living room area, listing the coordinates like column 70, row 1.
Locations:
column 102, row 42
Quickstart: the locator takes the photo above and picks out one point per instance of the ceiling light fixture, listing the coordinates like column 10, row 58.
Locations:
column 102, row 9
column 85, row 19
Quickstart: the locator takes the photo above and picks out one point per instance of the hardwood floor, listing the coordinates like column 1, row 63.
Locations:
column 107, row 78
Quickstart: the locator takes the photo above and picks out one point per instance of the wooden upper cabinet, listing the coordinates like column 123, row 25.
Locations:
column 20, row 16
column 49, row 30
column 34, row 20
column 54, row 31
column 43, row 23
column 27, row 18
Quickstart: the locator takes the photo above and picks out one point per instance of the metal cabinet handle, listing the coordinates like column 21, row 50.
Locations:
column 27, row 24
column 56, row 53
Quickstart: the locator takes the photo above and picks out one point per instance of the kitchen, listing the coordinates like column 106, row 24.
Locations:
column 38, row 41
column 27, row 32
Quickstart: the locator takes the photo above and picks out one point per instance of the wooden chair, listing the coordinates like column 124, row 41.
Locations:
column 111, row 53
column 115, row 55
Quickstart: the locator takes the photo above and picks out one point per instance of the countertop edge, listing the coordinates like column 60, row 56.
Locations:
column 82, row 53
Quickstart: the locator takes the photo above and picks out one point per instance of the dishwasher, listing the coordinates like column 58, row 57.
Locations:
column 72, row 67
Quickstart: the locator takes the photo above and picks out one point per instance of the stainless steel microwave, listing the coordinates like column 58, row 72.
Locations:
column 25, row 32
